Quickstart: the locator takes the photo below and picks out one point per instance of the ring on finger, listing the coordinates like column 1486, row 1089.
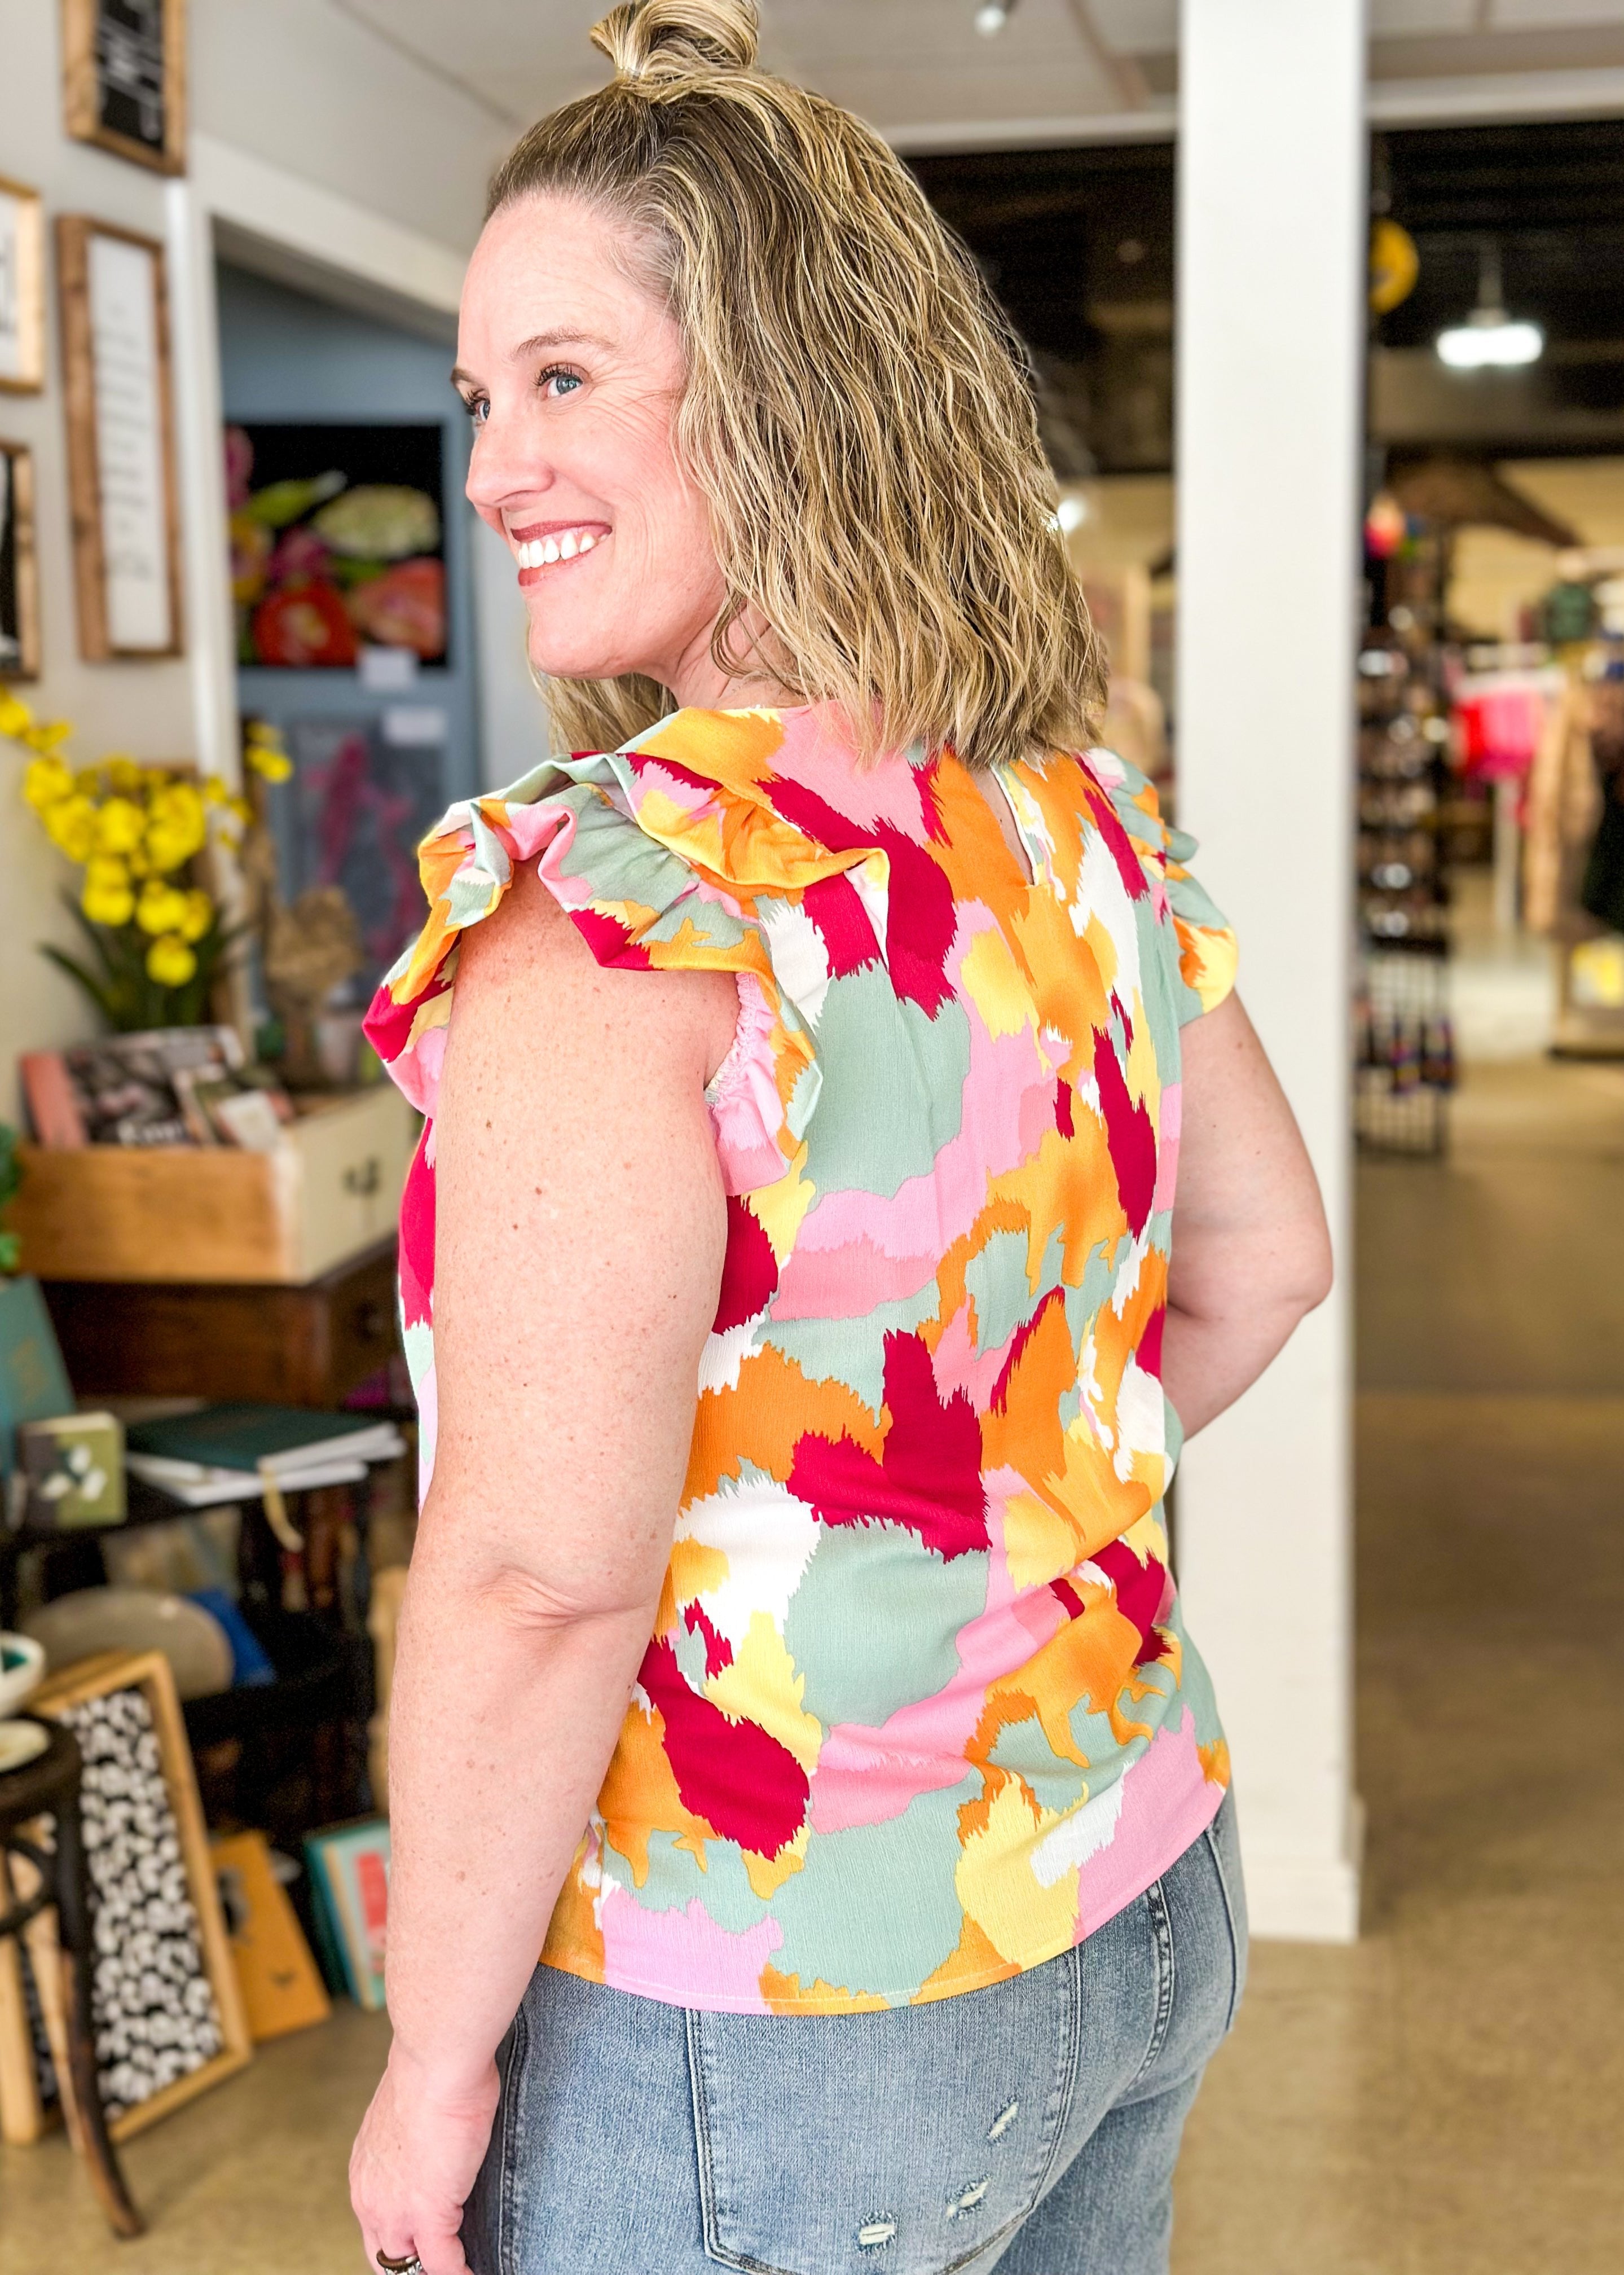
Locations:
column 409, row 2265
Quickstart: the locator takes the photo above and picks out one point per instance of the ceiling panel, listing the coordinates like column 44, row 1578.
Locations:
column 1552, row 15
column 1400, row 18
column 897, row 62
column 921, row 63
column 1138, row 27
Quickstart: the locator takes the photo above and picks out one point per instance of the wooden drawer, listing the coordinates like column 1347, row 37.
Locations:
column 199, row 1214
column 307, row 1346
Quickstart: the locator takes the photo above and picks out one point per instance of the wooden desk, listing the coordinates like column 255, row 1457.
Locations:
column 289, row 1346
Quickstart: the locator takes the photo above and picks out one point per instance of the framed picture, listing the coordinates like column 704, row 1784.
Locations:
column 19, row 570
column 22, row 289
column 121, row 450
column 337, row 538
column 169, row 2014
column 124, row 79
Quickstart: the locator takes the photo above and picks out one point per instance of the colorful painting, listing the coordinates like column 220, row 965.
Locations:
column 352, row 816
column 337, row 543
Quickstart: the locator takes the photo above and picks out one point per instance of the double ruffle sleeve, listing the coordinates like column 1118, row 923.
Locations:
column 667, row 856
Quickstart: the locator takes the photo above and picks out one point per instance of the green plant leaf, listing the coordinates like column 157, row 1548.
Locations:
column 101, row 994
column 96, row 935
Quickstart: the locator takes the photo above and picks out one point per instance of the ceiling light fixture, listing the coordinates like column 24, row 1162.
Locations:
column 993, row 15
column 1490, row 340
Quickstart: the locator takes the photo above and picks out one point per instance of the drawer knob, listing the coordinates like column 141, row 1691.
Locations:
column 363, row 1177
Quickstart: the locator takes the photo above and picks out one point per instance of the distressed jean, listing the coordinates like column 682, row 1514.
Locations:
column 1032, row 2127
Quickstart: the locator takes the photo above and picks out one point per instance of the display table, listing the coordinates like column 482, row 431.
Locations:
column 288, row 1346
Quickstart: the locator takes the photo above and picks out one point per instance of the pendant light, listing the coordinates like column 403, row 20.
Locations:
column 1490, row 340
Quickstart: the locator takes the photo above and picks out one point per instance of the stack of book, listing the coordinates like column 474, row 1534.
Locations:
column 233, row 1453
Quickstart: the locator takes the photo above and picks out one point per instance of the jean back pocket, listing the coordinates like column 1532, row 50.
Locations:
column 898, row 2143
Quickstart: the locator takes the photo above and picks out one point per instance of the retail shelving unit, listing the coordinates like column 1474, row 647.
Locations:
column 1403, row 1039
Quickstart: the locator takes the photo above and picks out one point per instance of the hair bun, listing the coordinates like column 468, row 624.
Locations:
column 678, row 38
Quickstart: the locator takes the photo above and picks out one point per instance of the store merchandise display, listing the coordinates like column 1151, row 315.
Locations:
column 1403, row 1041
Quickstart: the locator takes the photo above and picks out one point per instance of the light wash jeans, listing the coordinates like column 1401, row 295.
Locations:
column 1032, row 2127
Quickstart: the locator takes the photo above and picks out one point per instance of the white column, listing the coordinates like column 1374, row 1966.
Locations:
column 1271, row 231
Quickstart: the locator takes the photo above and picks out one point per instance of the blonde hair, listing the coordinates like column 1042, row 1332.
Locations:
column 855, row 410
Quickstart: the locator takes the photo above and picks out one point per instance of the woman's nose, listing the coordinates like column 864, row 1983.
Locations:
column 500, row 470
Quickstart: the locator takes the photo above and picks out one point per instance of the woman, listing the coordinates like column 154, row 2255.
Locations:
column 819, row 1039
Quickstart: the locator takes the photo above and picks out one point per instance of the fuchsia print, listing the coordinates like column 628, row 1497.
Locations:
column 919, row 1711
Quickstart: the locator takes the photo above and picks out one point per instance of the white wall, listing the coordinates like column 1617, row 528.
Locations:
column 309, row 126
column 314, row 91
column 1272, row 186
column 145, row 709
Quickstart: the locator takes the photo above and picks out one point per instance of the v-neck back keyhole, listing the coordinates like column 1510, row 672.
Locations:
column 989, row 787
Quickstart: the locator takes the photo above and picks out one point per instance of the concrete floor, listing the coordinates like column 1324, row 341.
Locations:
column 1446, row 2098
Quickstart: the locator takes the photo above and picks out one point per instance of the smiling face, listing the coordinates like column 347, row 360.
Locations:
column 572, row 374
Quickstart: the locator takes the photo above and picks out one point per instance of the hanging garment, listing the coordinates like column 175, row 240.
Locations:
column 1601, row 893
column 1562, row 814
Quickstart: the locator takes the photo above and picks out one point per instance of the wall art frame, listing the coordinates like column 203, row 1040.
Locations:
column 113, row 291
column 19, row 565
column 123, row 79
column 104, row 1680
column 22, row 289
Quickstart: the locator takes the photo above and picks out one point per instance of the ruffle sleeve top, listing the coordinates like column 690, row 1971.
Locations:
column 918, row 1711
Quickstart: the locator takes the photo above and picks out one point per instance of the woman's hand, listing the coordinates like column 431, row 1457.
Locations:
column 415, row 2163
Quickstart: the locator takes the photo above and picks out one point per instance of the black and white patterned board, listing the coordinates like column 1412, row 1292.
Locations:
column 151, row 1999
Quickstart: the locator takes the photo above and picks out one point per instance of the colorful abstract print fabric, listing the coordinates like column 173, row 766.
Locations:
column 919, row 1711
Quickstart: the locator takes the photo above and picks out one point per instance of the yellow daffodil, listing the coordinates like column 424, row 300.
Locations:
column 46, row 781
column 47, row 737
column 120, row 826
column 216, row 790
column 178, row 826
column 269, row 761
column 125, row 777
column 72, row 825
column 15, row 716
column 199, row 917
column 171, row 962
column 107, row 898
column 161, row 908
column 179, row 805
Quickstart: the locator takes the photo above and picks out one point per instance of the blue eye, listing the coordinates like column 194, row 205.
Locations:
column 555, row 375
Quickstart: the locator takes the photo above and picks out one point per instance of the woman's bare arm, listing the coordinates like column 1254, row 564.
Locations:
column 578, row 1260
column 1252, row 1253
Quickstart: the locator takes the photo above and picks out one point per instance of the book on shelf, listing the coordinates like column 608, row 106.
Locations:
column 349, row 1868
column 229, row 1453
column 168, row 1086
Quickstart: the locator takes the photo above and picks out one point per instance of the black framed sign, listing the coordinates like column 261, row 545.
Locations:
column 125, row 77
column 19, row 590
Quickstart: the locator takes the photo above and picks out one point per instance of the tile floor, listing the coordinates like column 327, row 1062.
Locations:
column 1447, row 2096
